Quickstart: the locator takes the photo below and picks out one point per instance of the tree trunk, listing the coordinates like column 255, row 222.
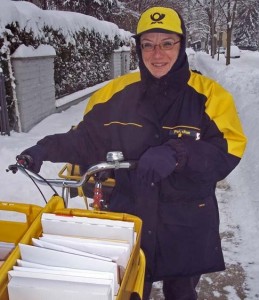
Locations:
column 230, row 24
column 212, row 29
column 229, row 33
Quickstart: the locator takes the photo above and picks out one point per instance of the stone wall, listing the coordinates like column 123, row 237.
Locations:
column 35, row 87
column 120, row 62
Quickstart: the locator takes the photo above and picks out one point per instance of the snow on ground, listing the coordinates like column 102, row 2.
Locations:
column 237, row 195
column 241, row 78
column 238, row 201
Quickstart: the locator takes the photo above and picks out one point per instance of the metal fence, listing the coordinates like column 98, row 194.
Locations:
column 4, row 121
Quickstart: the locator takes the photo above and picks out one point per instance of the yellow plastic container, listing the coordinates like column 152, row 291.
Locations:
column 15, row 232
column 12, row 231
column 133, row 279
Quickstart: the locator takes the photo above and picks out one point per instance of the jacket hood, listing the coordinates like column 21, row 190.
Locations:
column 171, row 22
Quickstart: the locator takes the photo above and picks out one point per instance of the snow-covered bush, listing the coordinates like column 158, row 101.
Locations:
column 83, row 44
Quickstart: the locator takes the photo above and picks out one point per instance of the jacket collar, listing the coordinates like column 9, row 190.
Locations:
column 175, row 79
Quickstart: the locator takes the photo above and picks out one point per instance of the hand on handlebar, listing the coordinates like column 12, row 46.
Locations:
column 31, row 158
column 25, row 160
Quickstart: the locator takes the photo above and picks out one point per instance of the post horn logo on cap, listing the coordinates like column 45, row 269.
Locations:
column 157, row 18
column 163, row 18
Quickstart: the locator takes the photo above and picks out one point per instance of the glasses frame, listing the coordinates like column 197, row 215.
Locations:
column 160, row 45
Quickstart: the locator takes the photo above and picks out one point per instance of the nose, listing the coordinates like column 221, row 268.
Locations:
column 157, row 51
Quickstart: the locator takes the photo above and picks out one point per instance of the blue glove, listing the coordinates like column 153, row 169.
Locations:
column 156, row 164
column 34, row 157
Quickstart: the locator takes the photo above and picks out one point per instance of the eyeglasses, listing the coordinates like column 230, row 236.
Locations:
column 166, row 45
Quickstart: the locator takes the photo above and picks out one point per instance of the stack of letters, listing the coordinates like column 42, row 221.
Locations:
column 5, row 250
column 74, row 258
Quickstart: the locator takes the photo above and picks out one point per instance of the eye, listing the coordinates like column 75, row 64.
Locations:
column 147, row 46
column 167, row 45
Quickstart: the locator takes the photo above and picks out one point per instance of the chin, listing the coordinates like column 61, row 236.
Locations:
column 158, row 75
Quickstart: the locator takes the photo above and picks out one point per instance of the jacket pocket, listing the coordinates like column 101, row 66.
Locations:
column 178, row 188
column 188, row 237
column 187, row 213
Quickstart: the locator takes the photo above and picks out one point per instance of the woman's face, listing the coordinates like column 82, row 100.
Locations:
column 159, row 51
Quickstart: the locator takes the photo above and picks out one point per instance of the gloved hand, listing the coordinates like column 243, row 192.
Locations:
column 34, row 158
column 156, row 164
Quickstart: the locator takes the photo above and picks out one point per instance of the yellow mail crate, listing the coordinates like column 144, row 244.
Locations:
column 133, row 279
column 12, row 231
column 15, row 232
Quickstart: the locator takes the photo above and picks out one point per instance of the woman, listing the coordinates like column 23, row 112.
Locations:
column 184, row 130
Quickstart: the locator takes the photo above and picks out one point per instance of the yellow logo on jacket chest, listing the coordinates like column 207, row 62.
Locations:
column 184, row 131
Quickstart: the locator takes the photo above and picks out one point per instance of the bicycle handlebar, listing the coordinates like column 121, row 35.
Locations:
column 115, row 162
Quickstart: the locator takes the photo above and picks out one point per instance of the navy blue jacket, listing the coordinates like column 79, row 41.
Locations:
column 198, row 118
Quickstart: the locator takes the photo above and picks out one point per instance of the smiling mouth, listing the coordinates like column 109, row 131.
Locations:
column 158, row 65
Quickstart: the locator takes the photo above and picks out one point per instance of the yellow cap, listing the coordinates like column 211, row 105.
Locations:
column 161, row 18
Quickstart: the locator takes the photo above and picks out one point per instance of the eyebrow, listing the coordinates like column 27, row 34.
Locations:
column 165, row 39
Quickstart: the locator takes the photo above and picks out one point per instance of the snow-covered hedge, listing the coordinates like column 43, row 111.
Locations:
column 83, row 44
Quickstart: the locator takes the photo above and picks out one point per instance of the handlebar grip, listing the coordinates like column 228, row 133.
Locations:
column 24, row 160
column 12, row 168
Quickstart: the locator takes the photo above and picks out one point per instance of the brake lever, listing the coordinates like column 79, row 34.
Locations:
column 23, row 161
column 12, row 168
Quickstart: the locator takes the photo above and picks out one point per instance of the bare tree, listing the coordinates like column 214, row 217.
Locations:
column 229, row 8
column 208, row 8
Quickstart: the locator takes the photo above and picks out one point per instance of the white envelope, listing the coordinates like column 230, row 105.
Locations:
column 31, row 267
column 75, row 273
column 5, row 249
column 88, row 227
column 38, row 286
column 117, row 251
column 61, row 259
column 53, row 246
column 26, row 264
